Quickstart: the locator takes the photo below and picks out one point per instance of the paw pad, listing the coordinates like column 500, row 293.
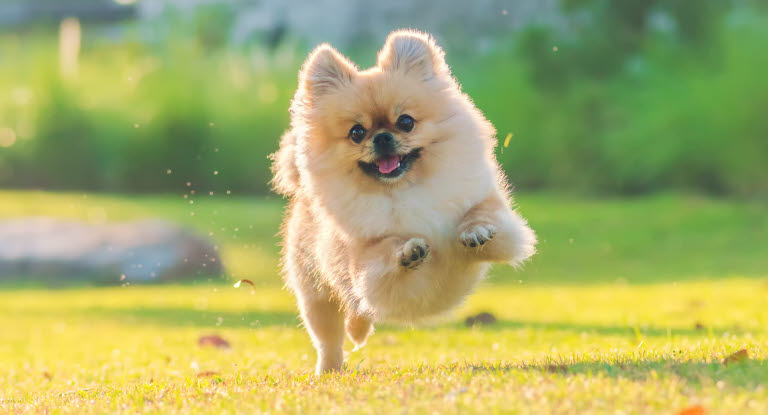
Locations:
column 414, row 253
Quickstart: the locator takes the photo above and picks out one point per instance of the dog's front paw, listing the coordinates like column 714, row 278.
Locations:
column 477, row 235
column 414, row 253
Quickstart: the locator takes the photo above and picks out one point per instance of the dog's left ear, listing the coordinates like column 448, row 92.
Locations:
column 413, row 52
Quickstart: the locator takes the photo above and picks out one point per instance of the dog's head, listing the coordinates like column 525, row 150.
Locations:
column 381, row 123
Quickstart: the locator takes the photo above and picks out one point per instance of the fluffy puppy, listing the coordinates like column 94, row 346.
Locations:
column 396, row 202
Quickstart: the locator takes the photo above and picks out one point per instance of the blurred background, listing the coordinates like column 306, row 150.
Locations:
column 134, row 134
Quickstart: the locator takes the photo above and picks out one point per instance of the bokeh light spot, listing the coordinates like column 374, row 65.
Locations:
column 7, row 137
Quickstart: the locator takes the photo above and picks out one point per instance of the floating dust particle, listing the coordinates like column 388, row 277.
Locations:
column 506, row 140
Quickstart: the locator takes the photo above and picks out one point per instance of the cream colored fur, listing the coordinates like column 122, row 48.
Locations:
column 352, row 241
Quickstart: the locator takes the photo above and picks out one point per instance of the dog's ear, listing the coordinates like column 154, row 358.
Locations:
column 325, row 70
column 413, row 52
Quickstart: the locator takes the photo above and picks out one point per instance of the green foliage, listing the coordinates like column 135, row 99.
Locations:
column 212, row 24
column 134, row 114
column 671, row 118
column 628, row 97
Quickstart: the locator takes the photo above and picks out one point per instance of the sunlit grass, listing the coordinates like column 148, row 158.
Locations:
column 651, row 239
column 650, row 349
column 629, row 307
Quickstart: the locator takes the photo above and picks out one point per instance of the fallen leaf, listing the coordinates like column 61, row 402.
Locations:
column 699, row 326
column 557, row 368
column 480, row 319
column 213, row 341
column 693, row 410
column 739, row 356
column 246, row 281
column 47, row 375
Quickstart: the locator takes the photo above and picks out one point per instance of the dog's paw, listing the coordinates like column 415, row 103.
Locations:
column 414, row 253
column 477, row 235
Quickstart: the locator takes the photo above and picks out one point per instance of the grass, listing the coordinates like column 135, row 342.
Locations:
column 640, row 327
column 595, row 349
column 651, row 239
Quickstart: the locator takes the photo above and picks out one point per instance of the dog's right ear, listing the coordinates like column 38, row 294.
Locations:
column 326, row 70
column 414, row 52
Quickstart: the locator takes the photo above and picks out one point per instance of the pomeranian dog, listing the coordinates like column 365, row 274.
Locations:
column 397, row 204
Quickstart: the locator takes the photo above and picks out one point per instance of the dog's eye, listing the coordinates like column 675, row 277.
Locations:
column 405, row 123
column 357, row 133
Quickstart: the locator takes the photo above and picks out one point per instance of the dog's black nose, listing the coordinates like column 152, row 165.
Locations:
column 382, row 138
column 384, row 144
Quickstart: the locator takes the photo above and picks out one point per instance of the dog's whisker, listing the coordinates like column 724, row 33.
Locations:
column 448, row 118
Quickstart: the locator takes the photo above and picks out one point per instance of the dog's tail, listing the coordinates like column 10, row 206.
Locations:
column 284, row 169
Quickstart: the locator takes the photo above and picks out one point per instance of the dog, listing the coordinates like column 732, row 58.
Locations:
column 396, row 203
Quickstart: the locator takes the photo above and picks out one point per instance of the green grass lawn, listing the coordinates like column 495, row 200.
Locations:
column 643, row 240
column 630, row 307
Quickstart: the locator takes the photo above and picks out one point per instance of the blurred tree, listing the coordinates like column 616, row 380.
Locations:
column 212, row 25
column 603, row 34
column 67, row 149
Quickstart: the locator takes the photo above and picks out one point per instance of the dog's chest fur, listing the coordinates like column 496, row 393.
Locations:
column 432, row 209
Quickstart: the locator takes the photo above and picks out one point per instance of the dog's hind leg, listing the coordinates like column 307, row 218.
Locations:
column 358, row 328
column 324, row 321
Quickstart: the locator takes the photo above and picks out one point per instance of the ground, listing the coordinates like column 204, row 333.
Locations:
column 631, row 306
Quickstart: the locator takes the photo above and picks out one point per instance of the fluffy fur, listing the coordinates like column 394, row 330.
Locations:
column 359, row 248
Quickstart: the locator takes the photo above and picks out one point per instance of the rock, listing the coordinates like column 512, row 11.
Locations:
column 47, row 248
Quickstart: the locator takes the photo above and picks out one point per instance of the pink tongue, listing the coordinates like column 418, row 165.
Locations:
column 387, row 164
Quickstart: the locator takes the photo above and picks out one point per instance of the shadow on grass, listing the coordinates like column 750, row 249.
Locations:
column 609, row 330
column 748, row 373
column 185, row 317
column 188, row 317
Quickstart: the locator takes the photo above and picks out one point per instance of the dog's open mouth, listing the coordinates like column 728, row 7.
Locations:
column 390, row 167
